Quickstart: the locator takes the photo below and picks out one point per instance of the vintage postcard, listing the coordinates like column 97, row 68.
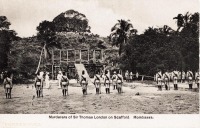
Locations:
column 99, row 63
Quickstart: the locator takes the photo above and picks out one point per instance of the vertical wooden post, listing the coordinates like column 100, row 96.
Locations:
column 67, row 56
column 80, row 56
column 60, row 56
column 94, row 56
column 102, row 55
column 88, row 55
column 52, row 72
column 75, row 55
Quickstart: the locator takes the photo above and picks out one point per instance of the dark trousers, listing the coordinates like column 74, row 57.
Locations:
column 175, row 87
column 166, row 87
column 97, row 90
column 197, row 85
column 190, row 86
column 107, row 90
column 159, row 88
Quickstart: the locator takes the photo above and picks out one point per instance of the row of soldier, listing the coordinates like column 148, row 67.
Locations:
column 63, row 82
column 175, row 77
column 116, row 80
column 129, row 76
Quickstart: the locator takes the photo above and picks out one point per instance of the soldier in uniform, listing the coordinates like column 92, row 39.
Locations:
column 97, row 83
column 137, row 75
column 8, row 85
column 84, row 83
column 127, row 76
column 159, row 80
column 131, row 76
column 47, row 84
column 38, row 84
column 183, row 77
column 175, row 80
column 64, row 84
column 107, row 82
column 114, row 80
column 119, row 82
column 59, row 77
column 189, row 77
column 197, row 78
column 197, row 81
column 166, row 80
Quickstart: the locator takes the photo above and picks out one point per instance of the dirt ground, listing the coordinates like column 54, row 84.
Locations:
column 149, row 100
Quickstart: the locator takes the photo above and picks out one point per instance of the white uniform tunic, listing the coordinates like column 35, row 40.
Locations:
column 175, row 80
column 159, row 81
column 59, row 77
column 114, row 79
column 189, row 80
column 97, row 81
column 107, row 81
column 47, row 81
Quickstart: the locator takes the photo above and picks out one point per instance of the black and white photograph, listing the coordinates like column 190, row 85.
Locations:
column 99, row 57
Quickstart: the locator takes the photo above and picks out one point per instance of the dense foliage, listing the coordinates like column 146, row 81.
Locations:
column 156, row 49
column 6, row 37
column 120, row 33
column 71, row 21
column 164, row 49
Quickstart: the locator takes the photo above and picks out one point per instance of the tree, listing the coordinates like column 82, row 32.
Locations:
column 23, row 57
column 183, row 20
column 164, row 49
column 180, row 21
column 4, row 23
column 166, row 30
column 47, row 35
column 120, row 33
column 190, row 41
column 6, row 37
column 71, row 21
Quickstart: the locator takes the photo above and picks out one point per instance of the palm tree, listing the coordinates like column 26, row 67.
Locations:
column 46, row 33
column 120, row 33
column 182, row 20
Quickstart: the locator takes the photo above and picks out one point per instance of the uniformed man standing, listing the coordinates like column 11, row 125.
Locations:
column 119, row 82
column 183, row 77
column 166, row 80
column 159, row 80
column 131, row 76
column 137, row 75
column 175, row 80
column 64, row 84
column 197, row 78
column 84, row 83
column 97, row 83
column 107, row 82
column 127, row 76
column 59, row 77
column 114, row 80
column 189, row 77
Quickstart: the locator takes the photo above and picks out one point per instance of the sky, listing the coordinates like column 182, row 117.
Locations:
column 25, row 15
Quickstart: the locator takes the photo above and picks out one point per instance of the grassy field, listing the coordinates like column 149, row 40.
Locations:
column 149, row 100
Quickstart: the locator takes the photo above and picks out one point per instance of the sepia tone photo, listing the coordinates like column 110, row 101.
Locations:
column 99, row 57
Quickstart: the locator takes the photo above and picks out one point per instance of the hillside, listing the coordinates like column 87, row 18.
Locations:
column 24, row 55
